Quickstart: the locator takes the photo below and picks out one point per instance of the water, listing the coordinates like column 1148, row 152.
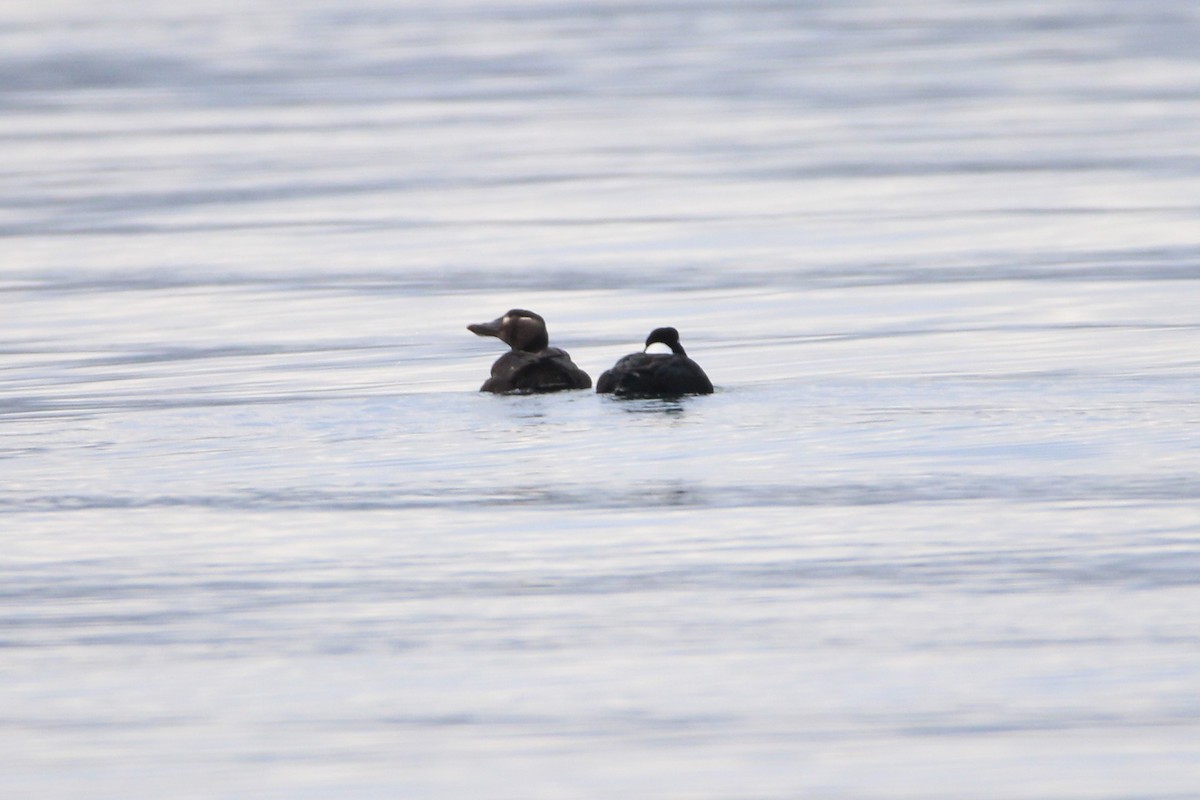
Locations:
column 935, row 536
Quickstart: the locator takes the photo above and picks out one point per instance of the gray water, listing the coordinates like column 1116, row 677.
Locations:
column 935, row 536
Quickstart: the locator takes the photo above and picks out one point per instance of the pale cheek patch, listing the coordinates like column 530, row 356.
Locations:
column 658, row 349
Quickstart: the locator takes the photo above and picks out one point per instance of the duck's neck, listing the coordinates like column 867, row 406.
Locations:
column 533, row 342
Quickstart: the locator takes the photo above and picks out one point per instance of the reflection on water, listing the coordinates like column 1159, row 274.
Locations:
column 939, row 519
column 650, row 494
column 666, row 406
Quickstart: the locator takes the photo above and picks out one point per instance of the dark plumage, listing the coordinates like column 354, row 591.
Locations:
column 656, row 375
column 532, row 366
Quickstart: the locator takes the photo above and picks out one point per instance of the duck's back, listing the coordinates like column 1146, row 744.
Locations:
column 649, row 374
column 548, row 370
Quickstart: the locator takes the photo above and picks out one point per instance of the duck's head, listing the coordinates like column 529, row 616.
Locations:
column 665, row 336
column 519, row 329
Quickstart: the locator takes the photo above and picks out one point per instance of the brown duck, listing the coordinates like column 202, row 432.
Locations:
column 532, row 366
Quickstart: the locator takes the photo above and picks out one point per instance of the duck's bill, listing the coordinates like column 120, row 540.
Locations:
column 486, row 328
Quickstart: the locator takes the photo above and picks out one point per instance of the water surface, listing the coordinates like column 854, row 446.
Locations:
column 936, row 534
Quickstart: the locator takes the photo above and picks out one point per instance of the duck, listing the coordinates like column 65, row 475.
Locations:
column 532, row 366
column 647, row 374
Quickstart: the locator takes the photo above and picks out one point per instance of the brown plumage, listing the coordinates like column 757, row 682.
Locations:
column 531, row 366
